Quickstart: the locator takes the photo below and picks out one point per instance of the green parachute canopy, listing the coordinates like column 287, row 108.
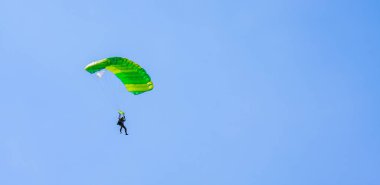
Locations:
column 134, row 77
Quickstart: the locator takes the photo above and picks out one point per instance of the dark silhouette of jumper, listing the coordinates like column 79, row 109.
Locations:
column 120, row 122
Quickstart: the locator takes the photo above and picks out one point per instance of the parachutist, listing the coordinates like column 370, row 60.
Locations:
column 121, row 121
column 133, row 77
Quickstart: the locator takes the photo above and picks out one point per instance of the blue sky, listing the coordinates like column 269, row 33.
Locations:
column 246, row 92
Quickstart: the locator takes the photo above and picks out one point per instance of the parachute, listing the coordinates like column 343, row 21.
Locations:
column 134, row 77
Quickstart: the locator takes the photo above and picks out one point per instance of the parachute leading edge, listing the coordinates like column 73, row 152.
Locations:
column 135, row 78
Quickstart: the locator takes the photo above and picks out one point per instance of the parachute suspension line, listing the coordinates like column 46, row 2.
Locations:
column 107, row 90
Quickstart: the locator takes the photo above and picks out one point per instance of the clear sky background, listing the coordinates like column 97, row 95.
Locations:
column 274, row 92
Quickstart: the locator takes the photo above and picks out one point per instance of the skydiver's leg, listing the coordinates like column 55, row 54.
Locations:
column 125, row 129
column 120, row 129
